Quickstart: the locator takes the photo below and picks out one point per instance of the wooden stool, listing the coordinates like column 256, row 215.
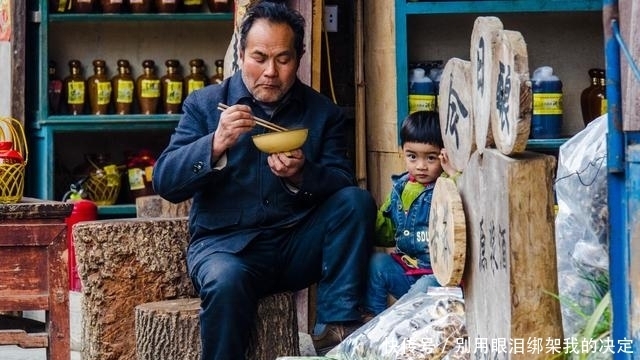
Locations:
column 170, row 329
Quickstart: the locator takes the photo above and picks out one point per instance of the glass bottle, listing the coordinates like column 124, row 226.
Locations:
column 54, row 90
column 598, row 97
column 74, row 88
column 148, row 88
column 584, row 96
column 218, row 77
column 196, row 78
column 191, row 6
column 111, row 6
column 171, row 84
column 99, row 89
column 123, row 87
column 166, row 6
column 140, row 6
column 219, row 5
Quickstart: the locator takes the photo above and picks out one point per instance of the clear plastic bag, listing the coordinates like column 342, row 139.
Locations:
column 582, row 246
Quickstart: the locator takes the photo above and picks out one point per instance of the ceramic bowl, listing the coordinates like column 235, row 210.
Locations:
column 275, row 142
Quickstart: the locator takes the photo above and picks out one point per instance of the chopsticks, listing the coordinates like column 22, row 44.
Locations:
column 264, row 123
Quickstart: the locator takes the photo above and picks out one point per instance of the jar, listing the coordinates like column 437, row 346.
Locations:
column 140, row 174
column 99, row 89
column 140, row 6
column 103, row 179
column 54, row 90
column 148, row 88
column 123, row 88
column 111, row 6
column 218, row 77
column 166, row 6
column 216, row 6
column 82, row 6
column 74, row 88
column 196, row 78
column 191, row 6
column 171, row 84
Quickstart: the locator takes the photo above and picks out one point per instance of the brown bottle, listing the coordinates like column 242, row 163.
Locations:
column 171, row 84
column 148, row 88
column 166, row 6
column 140, row 6
column 218, row 77
column 59, row 6
column 123, row 87
column 219, row 5
column 196, row 78
column 191, row 6
column 74, row 88
column 598, row 97
column 82, row 6
column 54, row 90
column 111, row 6
column 584, row 96
column 99, row 89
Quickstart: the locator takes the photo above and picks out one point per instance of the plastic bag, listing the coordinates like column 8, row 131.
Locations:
column 419, row 325
column 582, row 246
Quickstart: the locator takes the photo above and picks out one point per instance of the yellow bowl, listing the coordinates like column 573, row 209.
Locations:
column 283, row 141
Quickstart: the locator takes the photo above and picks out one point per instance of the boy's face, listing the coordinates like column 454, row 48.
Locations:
column 422, row 161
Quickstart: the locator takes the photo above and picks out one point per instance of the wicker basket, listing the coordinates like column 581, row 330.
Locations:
column 12, row 172
column 103, row 185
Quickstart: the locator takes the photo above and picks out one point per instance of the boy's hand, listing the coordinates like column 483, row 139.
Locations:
column 446, row 164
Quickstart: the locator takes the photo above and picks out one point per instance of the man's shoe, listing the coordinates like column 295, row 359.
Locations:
column 331, row 336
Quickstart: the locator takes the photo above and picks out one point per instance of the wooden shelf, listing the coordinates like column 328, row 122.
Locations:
column 457, row 7
column 140, row 17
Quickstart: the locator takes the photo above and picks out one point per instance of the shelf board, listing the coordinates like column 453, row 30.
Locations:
column 545, row 144
column 504, row 6
column 140, row 17
column 109, row 122
column 120, row 210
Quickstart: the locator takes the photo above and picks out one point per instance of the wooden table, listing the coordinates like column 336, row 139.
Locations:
column 33, row 272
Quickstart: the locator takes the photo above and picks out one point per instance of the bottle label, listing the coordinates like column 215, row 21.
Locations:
column 62, row 5
column 150, row 88
column 547, row 104
column 603, row 106
column 75, row 92
column 113, row 178
column 422, row 102
column 136, row 178
column 148, row 173
column 125, row 91
column 194, row 85
column 174, row 92
column 192, row 2
column 104, row 93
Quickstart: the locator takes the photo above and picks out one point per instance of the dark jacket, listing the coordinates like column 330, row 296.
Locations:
column 233, row 204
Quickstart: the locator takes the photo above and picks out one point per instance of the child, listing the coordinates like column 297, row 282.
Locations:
column 403, row 218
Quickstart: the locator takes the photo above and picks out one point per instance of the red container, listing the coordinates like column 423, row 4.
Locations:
column 83, row 210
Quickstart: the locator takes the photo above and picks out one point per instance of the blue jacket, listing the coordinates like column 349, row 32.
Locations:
column 411, row 228
column 232, row 205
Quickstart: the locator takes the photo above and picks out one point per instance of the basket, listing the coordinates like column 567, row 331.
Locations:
column 103, row 185
column 12, row 173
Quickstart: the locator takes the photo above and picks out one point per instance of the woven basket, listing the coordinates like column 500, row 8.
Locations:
column 103, row 185
column 12, row 174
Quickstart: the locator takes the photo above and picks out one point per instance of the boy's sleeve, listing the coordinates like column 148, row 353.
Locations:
column 385, row 230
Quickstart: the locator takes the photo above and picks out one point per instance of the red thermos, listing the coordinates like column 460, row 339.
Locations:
column 83, row 210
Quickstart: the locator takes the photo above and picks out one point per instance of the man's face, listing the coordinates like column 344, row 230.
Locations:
column 269, row 61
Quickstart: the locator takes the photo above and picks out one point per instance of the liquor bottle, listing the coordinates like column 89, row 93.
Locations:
column 216, row 6
column 191, row 6
column 598, row 97
column 140, row 6
column 584, row 96
column 54, row 89
column 218, row 77
column 99, row 89
column 148, row 88
column 74, row 88
column 82, row 6
column 171, row 84
column 166, row 6
column 196, row 78
column 123, row 88
column 111, row 6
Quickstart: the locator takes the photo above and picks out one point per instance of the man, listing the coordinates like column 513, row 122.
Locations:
column 266, row 223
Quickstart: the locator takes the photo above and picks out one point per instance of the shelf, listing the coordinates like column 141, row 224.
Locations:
column 457, row 7
column 545, row 144
column 109, row 122
column 140, row 17
column 114, row 211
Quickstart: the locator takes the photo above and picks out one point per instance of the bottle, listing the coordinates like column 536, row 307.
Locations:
column 171, row 84
column 546, row 121
column 218, row 77
column 219, row 5
column 74, row 88
column 99, row 89
column 140, row 174
column 421, row 92
column 82, row 6
column 196, row 78
column 123, row 88
column 191, row 6
column 597, row 98
column 140, row 6
column 148, row 88
column 59, row 6
column 54, row 89
column 111, row 6
column 166, row 6
column 584, row 96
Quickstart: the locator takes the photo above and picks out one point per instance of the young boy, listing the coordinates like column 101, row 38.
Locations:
column 403, row 218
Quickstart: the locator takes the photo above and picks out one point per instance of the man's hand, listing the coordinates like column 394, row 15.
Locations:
column 234, row 121
column 288, row 165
